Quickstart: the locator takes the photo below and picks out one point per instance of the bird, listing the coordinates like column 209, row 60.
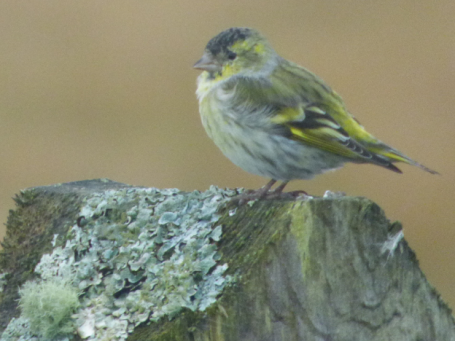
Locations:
column 276, row 119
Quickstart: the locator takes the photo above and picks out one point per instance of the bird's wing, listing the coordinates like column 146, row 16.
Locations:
column 313, row 115
column 326, row 107
column 317, row 128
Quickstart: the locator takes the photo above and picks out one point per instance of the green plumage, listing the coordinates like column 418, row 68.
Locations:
column 274, row 118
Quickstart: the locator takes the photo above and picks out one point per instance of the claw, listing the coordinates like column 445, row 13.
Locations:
column 266, row 193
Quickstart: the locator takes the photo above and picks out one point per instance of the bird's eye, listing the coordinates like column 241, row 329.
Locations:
column 231, row 55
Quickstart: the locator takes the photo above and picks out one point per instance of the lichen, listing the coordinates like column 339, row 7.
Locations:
column 3, row 280
column 48, row 306
column 18, row 330
column 137, row 255
column 394, row 237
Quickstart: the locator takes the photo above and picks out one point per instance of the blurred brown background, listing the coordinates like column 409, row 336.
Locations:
column 93, row 89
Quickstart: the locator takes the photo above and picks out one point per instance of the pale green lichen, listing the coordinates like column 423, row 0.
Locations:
column 48, row 306
column 138, row 255
column 19, row 330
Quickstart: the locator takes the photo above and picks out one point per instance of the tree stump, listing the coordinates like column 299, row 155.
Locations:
column 150, row 264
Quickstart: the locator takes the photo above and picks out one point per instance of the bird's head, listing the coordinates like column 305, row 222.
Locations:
column 235, row 51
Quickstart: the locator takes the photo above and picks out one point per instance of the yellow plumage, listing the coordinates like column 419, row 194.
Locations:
column 276, row 119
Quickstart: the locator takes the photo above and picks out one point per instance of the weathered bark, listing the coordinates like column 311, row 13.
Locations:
column 311, row 269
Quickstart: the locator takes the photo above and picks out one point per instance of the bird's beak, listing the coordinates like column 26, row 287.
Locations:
column 207, row 63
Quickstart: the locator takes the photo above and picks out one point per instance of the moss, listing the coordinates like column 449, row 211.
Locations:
column 30, row 230
column 181, row 328
column 244, row 234
column 48, row 306
column 137, row 256
column 152, row 265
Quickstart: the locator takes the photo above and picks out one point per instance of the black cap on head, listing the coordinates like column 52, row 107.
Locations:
column 226, row 38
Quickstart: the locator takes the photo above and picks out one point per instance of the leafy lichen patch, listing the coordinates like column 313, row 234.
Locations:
column 137, row 255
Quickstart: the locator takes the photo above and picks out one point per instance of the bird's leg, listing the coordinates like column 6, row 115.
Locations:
column 264, row 190
column 278, row 192
column 280, row 188
column 256, row 194
column 261, row 192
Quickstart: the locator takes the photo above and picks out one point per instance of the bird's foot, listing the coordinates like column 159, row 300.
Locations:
column 266, row 193
column 252, row 195
column 291, row 195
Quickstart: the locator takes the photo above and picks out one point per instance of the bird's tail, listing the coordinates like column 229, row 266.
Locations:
column 394, row 155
